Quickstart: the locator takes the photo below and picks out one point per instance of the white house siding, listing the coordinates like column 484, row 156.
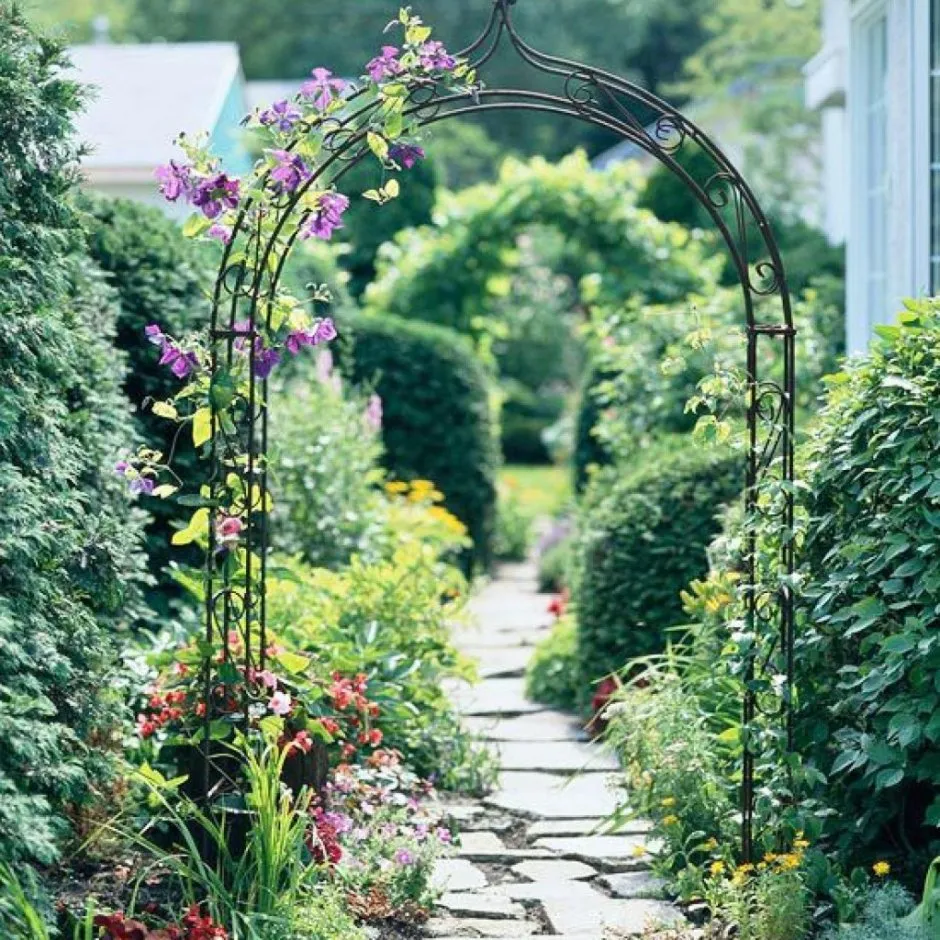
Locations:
column 877, row 159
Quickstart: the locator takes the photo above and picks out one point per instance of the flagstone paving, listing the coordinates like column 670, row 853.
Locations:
column 535, row 858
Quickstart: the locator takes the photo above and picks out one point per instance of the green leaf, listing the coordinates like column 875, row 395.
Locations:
column 378, row 145
column 294, row 663
column 163, row 409
column 195, row 225
column 202, row 426
column 197, row 527
column 222, row 390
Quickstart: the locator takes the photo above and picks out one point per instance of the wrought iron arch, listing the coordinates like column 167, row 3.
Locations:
column 243, row 295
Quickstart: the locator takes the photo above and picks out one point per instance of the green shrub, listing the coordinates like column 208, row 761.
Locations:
column 437, row 421
column 643, row 532
column 869, row 652
column 160, row 277
column 68, row 546
column 589, row 451
column 513, row 525
column 325, row 461
column 553, row 676
column 525, row 417
column 883, row 915
column 554, row 564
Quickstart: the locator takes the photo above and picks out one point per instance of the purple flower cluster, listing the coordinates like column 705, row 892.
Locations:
column 181, row 362
column 289, row 171
column 323, row 332
column 385, row 65
column 135, row 482
column 434, row 57
column 406, row 155
column 322, row 87
column 282, row 115
column 327, row 218
column 210, row 194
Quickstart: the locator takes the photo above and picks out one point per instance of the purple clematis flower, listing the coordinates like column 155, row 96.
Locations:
column 215, row 193
column 181, row 363
column 321, row 87
column 121, row 468
column 282, row 115
column 404, row 857
column 433, row 55
column 385, row 65
column 289, row 172
column 155, row 335
column 323, row 332
column 327, row 218
column 175, row 180
column 222, row 232
column 406, row 155
column 141, row 485
column 265, row 360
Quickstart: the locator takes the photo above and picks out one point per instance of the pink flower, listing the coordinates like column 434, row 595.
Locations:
column 303, row 742
column 280, row 704
column 228, row 529
column 404, row 857
column 373, row 413
column 266, row 678
column 444, row 836
column 385, row 65
column 321, row 87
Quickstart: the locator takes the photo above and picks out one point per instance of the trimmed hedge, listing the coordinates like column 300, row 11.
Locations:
column 437, row 422
column 160, row 277
column 69, row 556
column 642, row 537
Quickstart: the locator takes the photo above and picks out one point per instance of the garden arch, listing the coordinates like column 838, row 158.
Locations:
column 245, row 304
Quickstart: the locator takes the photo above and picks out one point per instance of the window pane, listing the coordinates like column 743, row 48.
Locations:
column 935, row 146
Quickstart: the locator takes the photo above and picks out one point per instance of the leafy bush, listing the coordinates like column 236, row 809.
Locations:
column 589, row 451
column 882, row 918
column 554, row 559
column 68, row 547
column 387, row 620
column 869, row 651
column 160, row 277
column 437, row 421
column 454, row 271
column 513, row 525
column 643, row 532
column 553, row 676
column 325, row 465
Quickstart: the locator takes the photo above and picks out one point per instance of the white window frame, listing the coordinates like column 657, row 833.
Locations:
column 926, row 117
column 861, row 315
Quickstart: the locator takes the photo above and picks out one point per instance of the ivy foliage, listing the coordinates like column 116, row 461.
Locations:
column 455, row 271
column 437, row 423
column 869, row 651
column 643, row 531
column 68, row 546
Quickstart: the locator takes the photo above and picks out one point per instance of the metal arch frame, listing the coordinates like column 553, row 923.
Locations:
column 605, row 100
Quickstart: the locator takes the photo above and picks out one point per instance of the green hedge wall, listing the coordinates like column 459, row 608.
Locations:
column 160, row 277
column 642, row 537
column 437, row 421
column 69, row 558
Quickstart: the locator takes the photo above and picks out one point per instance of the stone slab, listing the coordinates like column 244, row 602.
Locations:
column 553, row 870
column 501, row 662
column 457, row 874
column 546, row 725
column 635, row 884
column 586, row 827
column 548, row 796
column 488, row 847
column 495, row 697
column 609, row 853
column 632, row 918
column 451, row 928
column 554, row 756
column 482, row 905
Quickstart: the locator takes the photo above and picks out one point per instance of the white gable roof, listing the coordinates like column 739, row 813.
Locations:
column 144, row 95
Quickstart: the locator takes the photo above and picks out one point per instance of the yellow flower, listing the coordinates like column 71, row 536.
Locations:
column 670, row 820
column 789, row 862
column 669, row 801
column 710, row 845
column 770, row 857
column 638, row 851
column 881, row 869
column 717, row 868
column 396, row 486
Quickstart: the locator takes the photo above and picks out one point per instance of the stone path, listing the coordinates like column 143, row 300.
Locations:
column 534, row 859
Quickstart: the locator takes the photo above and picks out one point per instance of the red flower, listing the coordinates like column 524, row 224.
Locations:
column 302, row 741
column 559, row 604
column 202, row 928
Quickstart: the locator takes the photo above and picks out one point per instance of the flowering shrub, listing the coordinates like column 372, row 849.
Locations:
column 377, row 832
